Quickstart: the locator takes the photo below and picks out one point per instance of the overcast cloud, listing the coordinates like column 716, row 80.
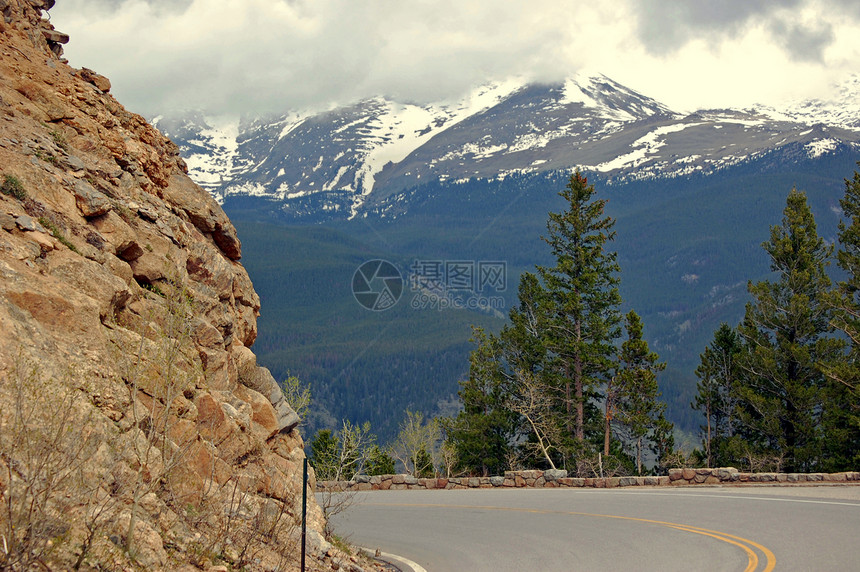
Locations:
column 233, row 56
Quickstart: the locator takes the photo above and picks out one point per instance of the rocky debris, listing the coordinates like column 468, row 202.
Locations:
column 26, row 223
column 559, row 479
column 119, row 280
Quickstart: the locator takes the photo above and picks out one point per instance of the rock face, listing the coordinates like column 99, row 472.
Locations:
column 126, row 323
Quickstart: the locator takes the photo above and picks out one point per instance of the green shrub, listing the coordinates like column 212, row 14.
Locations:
column 379, row 462
column 59, row 140
column 12, row 186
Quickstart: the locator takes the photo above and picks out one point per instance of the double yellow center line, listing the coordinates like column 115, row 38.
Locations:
column 748, row 546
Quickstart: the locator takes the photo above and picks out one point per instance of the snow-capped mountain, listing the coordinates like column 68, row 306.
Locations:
column 351, row 159
column 473, row 180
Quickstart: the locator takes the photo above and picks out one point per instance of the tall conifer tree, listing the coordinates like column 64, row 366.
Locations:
column 639, row 407
column 482, row 432
column 717, row 396
column 785, row 330
column 582, row 290
column 841, row 411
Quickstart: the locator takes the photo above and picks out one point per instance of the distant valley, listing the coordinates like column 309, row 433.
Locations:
column 314, row 195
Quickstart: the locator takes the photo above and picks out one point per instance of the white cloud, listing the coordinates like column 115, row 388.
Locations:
column 273, row 55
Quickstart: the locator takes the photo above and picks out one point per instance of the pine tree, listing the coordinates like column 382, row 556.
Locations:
column 582, row 292
column 841, row 412
column 379, row 462
column 482, row 433
column 785, row 330
column 638, row 404
column 717, row 396
column 424, row 467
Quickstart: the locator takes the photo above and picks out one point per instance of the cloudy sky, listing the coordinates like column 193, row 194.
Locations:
column 234, row 56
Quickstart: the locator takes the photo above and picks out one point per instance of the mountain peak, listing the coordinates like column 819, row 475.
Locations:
column 353, row 157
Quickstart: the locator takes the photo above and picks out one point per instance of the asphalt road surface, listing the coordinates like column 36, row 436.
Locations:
column 691, row 528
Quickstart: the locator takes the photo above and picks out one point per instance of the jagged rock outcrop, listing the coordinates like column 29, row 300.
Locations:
column 126, row 323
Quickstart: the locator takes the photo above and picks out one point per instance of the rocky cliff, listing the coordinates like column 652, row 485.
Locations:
column 138, row 431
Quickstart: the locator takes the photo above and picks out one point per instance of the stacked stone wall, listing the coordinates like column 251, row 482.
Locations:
column 539, row 479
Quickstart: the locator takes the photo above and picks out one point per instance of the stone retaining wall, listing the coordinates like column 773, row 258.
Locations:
column 559, row 479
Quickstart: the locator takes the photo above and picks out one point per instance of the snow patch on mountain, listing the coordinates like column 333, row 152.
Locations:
column 399, row 129
column 643, row 147
column 214, row 165
column 820, row 147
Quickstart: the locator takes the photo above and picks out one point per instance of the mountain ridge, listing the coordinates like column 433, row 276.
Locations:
column 347, row 159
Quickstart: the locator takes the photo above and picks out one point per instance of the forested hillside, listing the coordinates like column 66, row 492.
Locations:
column 686, row 247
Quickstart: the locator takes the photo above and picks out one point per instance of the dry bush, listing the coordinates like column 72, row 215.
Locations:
column 763, row 463
column 332, row 503
column 240, row 527
column 68, row 475
column 46, row 443
column 234, row 523
column 677, row 460
column 156, row 377
column 599, row 466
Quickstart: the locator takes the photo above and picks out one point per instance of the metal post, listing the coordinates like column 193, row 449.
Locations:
column 304, row 507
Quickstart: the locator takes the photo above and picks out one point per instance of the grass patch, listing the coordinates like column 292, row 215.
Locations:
column 58, row 234
column 46, row 157
column 341, row 544
column 153, row 288
column 59, row 140
column 13, row 187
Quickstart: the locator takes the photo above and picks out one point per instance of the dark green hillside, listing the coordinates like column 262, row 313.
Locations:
column 361, row 365
column 687, row 248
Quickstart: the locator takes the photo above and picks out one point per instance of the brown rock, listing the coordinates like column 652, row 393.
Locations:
column 149, row 548
column 148, row 268
column 7, row 222
column 97, row 80
column 216, row 368
column 90, row 202
column 210, row 417
column 263, row 414
column 204, row 213
column 55, row 36
column 84, row 320
column 116, row 232
column 205, row 335
column 260, row 380
column 111, row 295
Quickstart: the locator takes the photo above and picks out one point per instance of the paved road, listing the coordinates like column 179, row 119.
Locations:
column 702, row 528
